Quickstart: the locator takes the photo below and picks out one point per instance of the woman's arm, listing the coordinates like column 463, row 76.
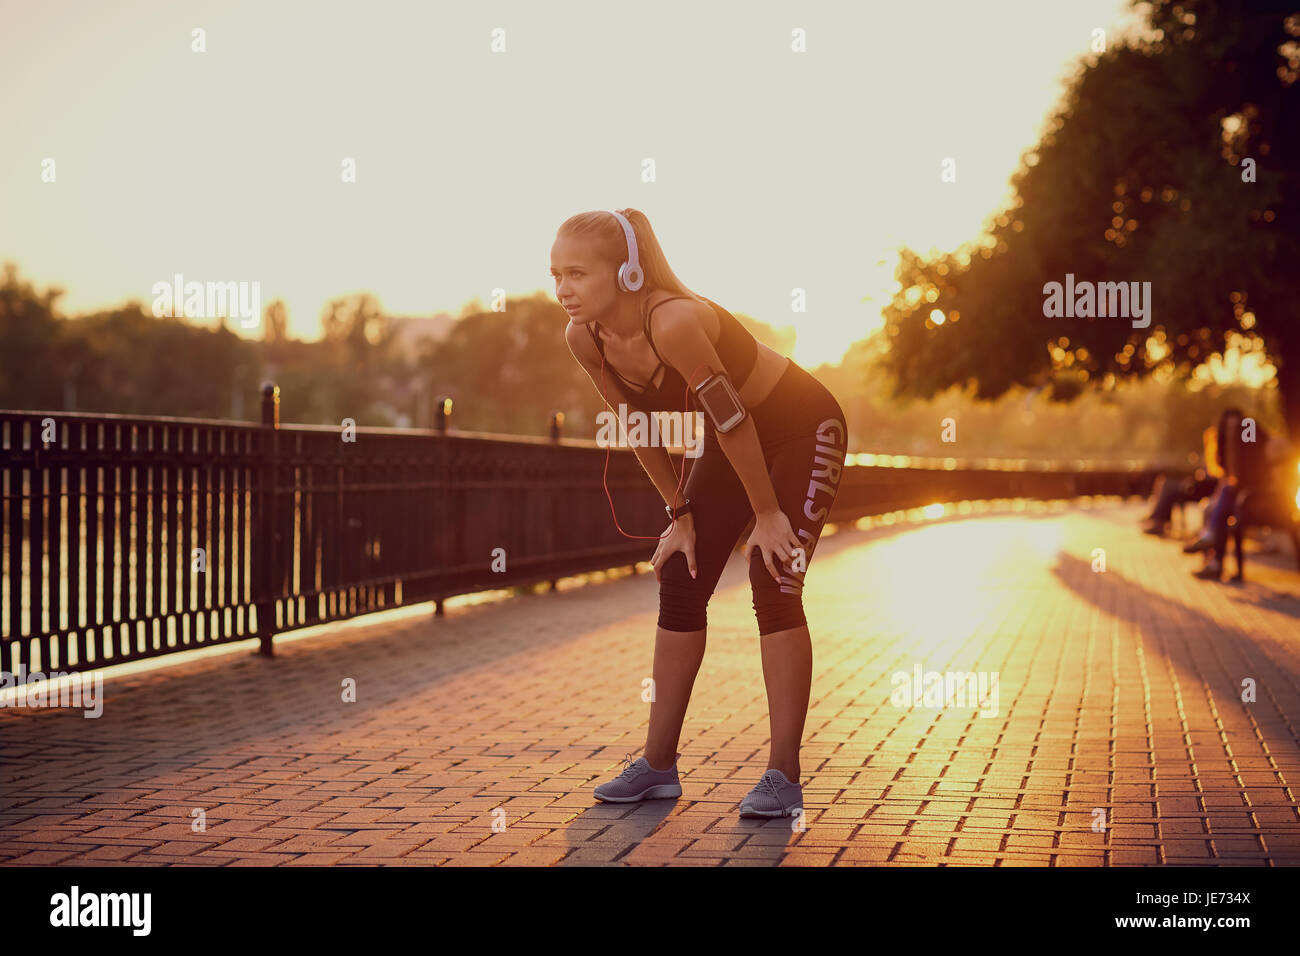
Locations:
column 654, row 459
column 684, row 345
column 745, row 453
column 1211, row 441
column 667, row 478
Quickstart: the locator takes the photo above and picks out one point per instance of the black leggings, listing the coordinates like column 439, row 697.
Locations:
column 802, row 431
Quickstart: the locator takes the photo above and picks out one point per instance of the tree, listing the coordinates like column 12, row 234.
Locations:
column 357, row 320
column 276, row 324
column 1140, row 176
column 29, row 333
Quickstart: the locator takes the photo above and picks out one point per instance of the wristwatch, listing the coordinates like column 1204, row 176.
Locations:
column 683, row 510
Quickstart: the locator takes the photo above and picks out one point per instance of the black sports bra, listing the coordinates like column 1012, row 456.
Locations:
column 737, row 348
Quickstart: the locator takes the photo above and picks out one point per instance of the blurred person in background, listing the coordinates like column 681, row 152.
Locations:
column 1168, row 492
column 1248, row 460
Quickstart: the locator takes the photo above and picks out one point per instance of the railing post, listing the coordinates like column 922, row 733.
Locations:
column 267, row 547
column 441, row 417
column 442, row 414
column 557, row 427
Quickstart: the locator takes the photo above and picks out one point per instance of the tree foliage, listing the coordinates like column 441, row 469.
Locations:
column 1139, row 176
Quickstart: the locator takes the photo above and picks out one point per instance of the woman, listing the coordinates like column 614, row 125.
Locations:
column 780, row 466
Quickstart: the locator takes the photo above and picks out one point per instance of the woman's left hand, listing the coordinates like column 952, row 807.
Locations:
column 775, row 538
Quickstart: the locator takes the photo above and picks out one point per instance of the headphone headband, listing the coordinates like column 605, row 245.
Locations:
column 630, row 276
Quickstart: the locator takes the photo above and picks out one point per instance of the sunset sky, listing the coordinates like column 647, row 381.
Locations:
column 775, row 169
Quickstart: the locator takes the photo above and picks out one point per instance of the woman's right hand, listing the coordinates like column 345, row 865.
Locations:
column 680, row 536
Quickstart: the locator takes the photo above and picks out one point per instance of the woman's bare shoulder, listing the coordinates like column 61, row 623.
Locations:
column 673, row 308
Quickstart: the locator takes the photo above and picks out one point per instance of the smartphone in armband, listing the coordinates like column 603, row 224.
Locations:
column 720, row 402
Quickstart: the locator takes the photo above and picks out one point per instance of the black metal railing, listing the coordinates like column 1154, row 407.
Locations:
column 128, row 537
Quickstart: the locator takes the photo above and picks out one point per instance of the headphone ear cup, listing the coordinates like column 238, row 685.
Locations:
column 629, row 279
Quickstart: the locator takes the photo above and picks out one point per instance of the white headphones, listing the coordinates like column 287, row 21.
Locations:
column 630, row 276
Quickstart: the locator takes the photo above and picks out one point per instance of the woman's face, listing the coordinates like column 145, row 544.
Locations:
column 585, row 286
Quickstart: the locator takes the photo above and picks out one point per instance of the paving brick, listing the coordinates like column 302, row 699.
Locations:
column 1118, row 691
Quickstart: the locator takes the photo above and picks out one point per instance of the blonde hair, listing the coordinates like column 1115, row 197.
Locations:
column 605, row 233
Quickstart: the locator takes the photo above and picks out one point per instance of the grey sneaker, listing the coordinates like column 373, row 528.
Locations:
column 773, row 796
column 640, row 781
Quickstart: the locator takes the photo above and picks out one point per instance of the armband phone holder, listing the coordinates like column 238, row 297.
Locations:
column 718, row 397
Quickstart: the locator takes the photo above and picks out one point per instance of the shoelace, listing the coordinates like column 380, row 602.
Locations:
column 768, row 785
column 630, row 769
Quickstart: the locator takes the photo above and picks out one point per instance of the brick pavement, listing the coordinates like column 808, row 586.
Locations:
column 1118, row 700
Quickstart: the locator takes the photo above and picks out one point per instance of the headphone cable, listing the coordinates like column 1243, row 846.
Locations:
column 605, row 474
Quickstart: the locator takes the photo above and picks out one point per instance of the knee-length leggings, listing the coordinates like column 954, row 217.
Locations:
column 803, row 434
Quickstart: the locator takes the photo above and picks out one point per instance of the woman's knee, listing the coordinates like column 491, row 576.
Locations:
column 777, row 606
column 682, row 609
column 683, row 600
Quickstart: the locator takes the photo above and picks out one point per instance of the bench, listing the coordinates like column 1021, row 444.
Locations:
column 1277, row 507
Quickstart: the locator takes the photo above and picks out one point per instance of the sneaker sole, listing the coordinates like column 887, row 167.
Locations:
column 769, row 814
column 657, row 792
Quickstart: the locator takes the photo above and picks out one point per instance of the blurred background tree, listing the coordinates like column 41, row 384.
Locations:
column 1140, row 176
column 507, row 372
